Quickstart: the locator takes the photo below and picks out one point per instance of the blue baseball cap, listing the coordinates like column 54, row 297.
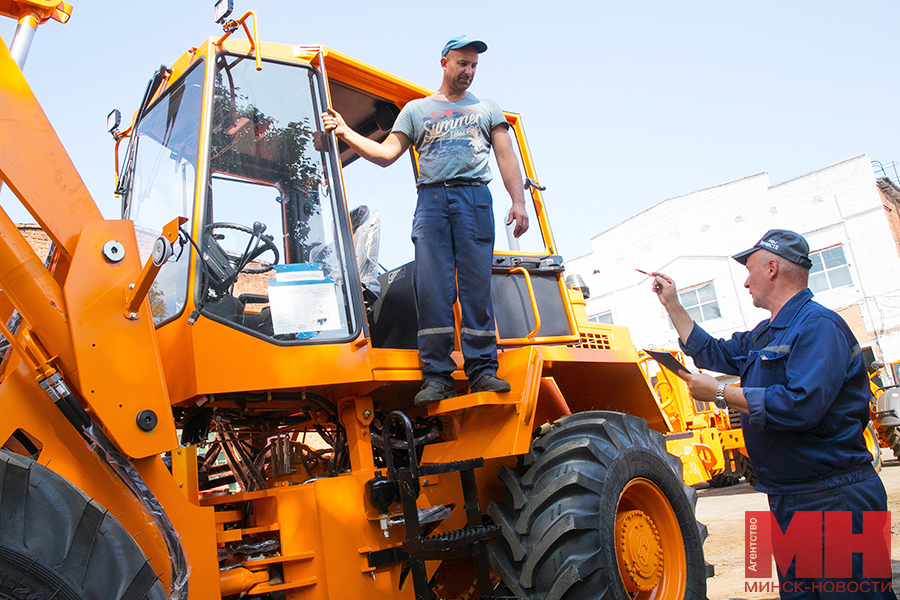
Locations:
column 784, row 243
column 463, row 41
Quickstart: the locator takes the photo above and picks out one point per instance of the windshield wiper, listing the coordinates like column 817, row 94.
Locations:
column 124, row 183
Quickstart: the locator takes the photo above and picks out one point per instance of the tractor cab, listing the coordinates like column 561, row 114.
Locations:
column 284, row 224
column 242, row 150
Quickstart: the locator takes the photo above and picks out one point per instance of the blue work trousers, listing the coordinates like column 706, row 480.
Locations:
column 858, row 497
column 453, row 232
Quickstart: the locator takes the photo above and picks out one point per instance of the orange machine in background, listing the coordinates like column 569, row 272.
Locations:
column 212, row 397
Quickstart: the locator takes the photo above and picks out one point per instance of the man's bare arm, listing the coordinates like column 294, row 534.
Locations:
column 512, row 178
column 382, row 154
column 665, row 290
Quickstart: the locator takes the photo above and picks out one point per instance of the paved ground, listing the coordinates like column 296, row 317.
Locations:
column 723, row 510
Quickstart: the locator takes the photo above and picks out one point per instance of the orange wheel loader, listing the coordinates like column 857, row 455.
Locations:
column 212, row 397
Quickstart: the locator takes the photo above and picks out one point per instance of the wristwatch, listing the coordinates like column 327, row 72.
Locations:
column 720, row 396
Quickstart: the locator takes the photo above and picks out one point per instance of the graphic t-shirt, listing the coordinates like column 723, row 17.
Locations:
column 453, row 139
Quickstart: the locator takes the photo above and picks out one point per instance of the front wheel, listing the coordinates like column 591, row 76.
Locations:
column 598, row 509
column 55, row 542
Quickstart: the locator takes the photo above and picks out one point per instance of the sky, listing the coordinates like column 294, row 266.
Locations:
column 625, row 104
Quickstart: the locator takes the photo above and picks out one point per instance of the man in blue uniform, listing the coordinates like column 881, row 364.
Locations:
column 804, row 396
column 453, row 229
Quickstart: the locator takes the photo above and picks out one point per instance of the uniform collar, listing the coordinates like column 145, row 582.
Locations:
column 791, row 308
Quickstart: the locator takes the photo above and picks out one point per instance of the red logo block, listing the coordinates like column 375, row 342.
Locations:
column 822, row 543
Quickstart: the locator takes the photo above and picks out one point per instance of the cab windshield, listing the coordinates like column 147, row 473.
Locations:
column 160, row 179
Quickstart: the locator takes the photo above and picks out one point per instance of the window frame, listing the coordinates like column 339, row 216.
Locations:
column 591, row 318
column 700, row 303
column 827, row 270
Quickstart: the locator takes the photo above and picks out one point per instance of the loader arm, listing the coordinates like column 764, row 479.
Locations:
column 29, row 150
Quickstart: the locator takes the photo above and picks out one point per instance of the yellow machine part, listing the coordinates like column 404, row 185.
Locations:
column 700, row 451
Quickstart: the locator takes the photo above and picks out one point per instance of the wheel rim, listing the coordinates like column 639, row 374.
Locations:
column 649, row 545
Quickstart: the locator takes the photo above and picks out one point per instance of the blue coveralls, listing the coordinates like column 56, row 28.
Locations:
column 453, row 232
column 803, row 376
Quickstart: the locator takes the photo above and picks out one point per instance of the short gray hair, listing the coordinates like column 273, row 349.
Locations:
column 792, row 271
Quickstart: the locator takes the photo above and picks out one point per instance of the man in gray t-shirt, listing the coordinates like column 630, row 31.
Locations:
column 452, row 138
column 453, row 229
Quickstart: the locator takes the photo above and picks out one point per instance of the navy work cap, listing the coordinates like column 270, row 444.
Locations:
column 463, row 41
column 782, row 242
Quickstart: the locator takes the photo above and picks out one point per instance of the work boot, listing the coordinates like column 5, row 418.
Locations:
column 433, row 391
column 489, row 383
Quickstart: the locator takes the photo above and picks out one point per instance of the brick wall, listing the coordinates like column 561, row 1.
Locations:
column 36, row 238
column 890, row 199
column 854, row 318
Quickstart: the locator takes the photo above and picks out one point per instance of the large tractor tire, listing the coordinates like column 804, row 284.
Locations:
column 746, row 469
column 721, row 480
column 55, row 542
column 733, row 475
column 597, row 509
column 892, row 437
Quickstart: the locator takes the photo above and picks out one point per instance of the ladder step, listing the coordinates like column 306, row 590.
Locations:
column 450, row 467
column 453, row 544
column 460, row 539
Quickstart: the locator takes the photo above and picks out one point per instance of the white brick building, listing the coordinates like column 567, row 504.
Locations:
column 849, row 218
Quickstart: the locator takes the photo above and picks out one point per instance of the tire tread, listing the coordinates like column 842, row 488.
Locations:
column 552, row 516
column 66, row 539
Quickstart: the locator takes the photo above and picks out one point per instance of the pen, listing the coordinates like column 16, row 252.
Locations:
column 652, row 275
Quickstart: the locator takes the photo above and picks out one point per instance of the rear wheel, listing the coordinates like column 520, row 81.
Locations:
column 746, row 469
column 598, row 509
column 55, row 542
column 721, row 480
column 892, row 435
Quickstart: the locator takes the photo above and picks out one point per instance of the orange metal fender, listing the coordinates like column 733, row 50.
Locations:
column 62, row 450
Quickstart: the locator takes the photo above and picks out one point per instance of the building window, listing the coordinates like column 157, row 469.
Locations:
column 701, row 303
column 829, row 270
column 604, row 317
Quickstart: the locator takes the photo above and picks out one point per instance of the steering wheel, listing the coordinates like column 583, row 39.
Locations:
column 265, row 243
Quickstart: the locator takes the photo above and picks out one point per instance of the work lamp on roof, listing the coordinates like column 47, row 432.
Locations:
column 113, row 120
column 223, row 10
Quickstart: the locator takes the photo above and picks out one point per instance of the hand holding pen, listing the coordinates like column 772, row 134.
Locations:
column 663, row 286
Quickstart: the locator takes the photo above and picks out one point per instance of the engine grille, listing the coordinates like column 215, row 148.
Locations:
column 593, row 341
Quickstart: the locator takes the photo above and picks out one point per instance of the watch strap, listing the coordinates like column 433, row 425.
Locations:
column 720, row 396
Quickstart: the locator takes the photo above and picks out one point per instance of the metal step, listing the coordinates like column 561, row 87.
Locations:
column 452, row 544
column 450, row 467
column 457, row 543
